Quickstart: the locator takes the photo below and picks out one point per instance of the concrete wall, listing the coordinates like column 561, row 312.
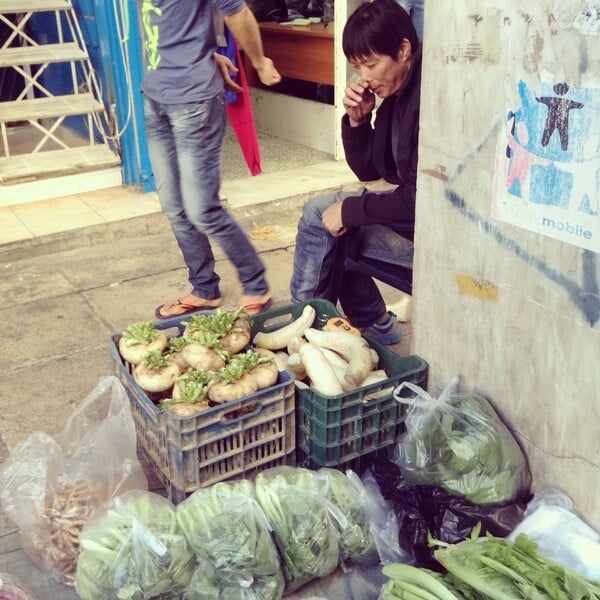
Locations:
column 515, row 313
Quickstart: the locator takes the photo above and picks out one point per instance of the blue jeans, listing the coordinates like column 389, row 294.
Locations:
column 319, row 262
column 184, row 143
column 416, row 10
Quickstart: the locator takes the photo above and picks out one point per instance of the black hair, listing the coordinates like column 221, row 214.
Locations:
column 378, row 27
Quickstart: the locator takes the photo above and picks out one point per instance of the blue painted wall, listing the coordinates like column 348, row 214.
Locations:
column 113, row 43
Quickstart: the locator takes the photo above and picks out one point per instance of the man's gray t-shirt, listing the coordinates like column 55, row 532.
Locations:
column 179, row 45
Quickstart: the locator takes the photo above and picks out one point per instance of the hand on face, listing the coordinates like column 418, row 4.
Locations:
column 359, row 102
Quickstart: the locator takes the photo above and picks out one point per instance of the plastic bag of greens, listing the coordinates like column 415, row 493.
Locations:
column 132, row 549
column 347, row 492
column 207, row 584
column 51, row 485
column 305, row 524
column 225, row 526
column 459, row 443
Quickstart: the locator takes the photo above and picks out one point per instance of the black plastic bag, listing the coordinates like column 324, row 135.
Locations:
column 425, row 509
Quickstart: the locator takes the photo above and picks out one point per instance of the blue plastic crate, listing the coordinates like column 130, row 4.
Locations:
column 228, row 441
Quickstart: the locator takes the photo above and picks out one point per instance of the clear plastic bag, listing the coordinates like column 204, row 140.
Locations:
column 305, row 525
column 459, row 443
column 133, row 549
column 50, row 486
column 552, row 523
column 357, row 541
column 231, row 537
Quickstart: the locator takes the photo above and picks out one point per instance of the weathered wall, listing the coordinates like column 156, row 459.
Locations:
column 515, row 313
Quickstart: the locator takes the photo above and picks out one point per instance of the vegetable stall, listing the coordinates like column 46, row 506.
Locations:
column 297, row 460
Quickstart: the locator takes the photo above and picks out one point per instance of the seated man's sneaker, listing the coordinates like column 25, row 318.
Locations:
column 387, row 333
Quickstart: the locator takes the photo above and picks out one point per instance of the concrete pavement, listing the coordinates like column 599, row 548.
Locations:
column 62, row 296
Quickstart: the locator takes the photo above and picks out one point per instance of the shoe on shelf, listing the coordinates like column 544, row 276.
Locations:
column 387, row 333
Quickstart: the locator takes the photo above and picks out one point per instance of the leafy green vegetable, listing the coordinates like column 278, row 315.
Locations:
column 500, row 570
column 225, row 525
column 132, row 549
column 207, row 584
column 218, row 322
column 460, row 444
column 347, row 492
column 142, row 332
column 307, row 537
column 239, row 365
column 407, row 582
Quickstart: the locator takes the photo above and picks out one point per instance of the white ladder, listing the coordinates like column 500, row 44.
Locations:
column 49, row 153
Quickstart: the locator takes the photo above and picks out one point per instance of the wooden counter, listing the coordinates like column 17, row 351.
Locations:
column 304, row 52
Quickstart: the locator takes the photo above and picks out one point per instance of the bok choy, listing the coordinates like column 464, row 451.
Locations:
column 228, row 530
column 132, row 549
column 303, row 522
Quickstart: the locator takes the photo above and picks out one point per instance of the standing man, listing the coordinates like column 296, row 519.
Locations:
column 380, row 42
column 185, row 115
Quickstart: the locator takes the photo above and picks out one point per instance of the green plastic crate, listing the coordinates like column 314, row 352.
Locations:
column 349, row 430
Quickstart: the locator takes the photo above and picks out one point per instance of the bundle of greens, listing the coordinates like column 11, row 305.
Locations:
column 207, row 584
column 459, row 443
column 412, row 583
column 303, row 523
column 347, row 492
column 226, row 528
column 498, row 569
column 132, row 549
column 489, row 568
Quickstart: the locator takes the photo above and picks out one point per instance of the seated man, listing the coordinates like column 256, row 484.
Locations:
column 381, row 43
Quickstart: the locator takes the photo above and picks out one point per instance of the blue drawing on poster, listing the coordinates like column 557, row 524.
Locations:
column 557, row 121
column 550, row 186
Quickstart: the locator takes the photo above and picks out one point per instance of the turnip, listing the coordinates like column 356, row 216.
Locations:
column 265, row 374
column 174, row 349
column 238, row 378
column 192, row 386
column 238, row 338
column 226, row 391
column 190, row 394
column 230, row 328
column 156, row 373
column 139, row 339
column 202, row 358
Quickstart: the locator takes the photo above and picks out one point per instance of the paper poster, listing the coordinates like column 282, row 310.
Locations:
column 547, row 171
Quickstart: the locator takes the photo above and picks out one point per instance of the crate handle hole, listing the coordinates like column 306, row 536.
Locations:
column 240, row 414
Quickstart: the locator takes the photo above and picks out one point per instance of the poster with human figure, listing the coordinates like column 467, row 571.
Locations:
column 547, row 171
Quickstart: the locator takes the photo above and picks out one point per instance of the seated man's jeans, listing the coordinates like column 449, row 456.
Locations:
column 184, row 142
column 319, row 262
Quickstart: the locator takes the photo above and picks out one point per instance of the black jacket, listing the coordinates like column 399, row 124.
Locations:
column 369, row 154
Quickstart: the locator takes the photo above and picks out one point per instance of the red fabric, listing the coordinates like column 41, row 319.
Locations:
column 241, row 118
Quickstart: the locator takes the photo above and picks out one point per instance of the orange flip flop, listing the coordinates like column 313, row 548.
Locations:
column 253, row 305
column 182, row 306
